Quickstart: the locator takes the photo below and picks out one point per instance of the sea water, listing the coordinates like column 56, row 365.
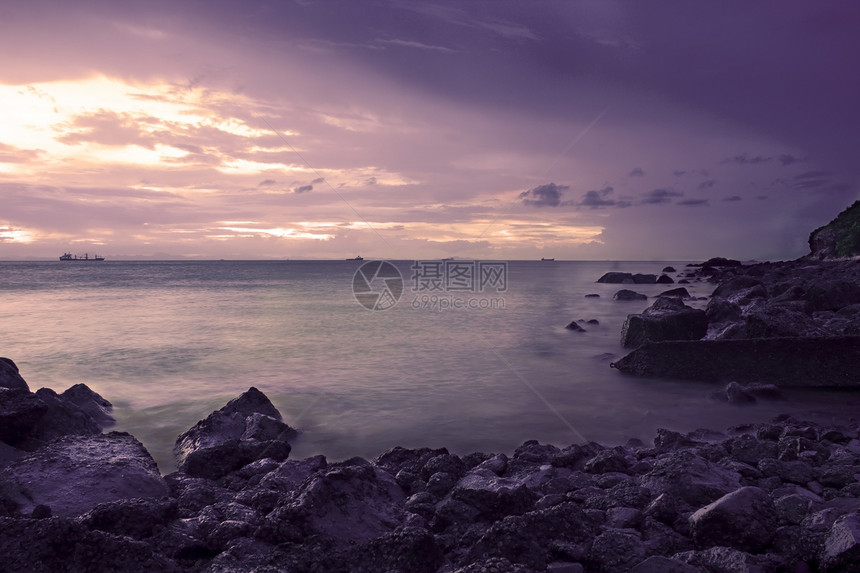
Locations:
column 168, row 342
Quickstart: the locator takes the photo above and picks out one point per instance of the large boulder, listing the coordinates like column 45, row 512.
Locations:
column 802, row 362
column 90, row 402
column 667, row 319
column 10, row 377
column 615, row 277
column 74, row 474
column 841, row 550
column 627, row 294
column 744, row 519
column 248, row 428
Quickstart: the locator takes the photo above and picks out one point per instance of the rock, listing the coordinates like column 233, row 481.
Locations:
column 839, row 238
column 669, row 269
column 62, row 418
column 780, row 361
column 76, row 473
column 574, row 326
column 493, row 496
column 616, row 278
column 248, row 428
column 90, row 402
column 689, row 478
column 744, row 519
column 56, row 544
column 625, row 294
column 665, row 280
column 667, row 319
column 842, row 545
column 137, row 518
column 660, row 564
column 737, row 394
column 679, row 292
column 719, row 262
column 592, row 295
column 616, row 550
column 10, row 377
column 727, row 560
column 20, row 412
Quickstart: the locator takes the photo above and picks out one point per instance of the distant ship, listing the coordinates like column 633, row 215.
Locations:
column 543, row 259
column 86, row 257
column 358, row 258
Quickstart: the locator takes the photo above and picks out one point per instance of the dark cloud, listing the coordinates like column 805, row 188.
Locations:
column 761, row 197
column 693, row 203
column 745, row 159
column 679, row 173
column 547, row 195
column 636, row 172
column 267, row 183
column 707, row 184
column 317, row 181
column 600, row 199
column 660, row 196
column 732, row 198
column 811, row 175
column 788, row 159
column 303, row 189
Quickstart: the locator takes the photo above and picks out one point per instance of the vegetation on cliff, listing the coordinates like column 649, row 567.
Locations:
column 840, row 237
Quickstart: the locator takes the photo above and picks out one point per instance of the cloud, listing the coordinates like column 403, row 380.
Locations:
column 693, row 203
column 267, row 183
column 600, row 198
column 679, row 172
column 418, row 45
column 732, row 198
column 547, row 195
column 636, row 172
column 788, row 159
column 707, row 184
column 303, row 189
column 744, row 159
column 660, row 196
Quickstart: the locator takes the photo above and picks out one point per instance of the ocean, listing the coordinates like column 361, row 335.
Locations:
column 473, row 357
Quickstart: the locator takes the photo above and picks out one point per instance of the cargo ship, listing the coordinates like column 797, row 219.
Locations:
column 86, row 257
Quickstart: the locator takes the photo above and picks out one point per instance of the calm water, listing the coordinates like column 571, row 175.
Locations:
column 168, row 342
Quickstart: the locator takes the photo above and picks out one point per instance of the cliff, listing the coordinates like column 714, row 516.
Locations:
column 839, row 238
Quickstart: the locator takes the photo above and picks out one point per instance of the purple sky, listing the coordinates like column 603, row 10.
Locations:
column 509, row 130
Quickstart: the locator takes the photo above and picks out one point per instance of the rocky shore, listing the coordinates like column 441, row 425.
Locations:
column 780, row 496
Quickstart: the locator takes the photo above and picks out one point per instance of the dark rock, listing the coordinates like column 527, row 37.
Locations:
column 679, row 292
column 625, row 294
column 10, row 377
column 669, row 269
column 616, row 550
column 615, row 277
column 574, row 326
column 665, row 280
column 62, row 418
column 781, row 361
column 737, row 394
column 742, row 284
column 842, row 545
column 20, row 412
column 137, row 518
column 75, row 473
column 660, row 564
column 744, row 519
column 727, row 560
column 493, row 496
column 90, row 402
column 719, row 262
column 611, row 460
column 689, row 478
column 667, row 319
column 408, row 549
column 592, row 321
column 644, row 279
column 592, row 295
column 57, row 544
column 248, row 428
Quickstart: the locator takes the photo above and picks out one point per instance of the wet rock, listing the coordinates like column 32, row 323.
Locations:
column 74, row 474
column 625, row 294
column 574, row 326
column 20, row 412
column 10, row 377
column 248, row 428
column 744, row 519
column 737, row 394
column 689, row 478
column 493, row 496
column 727, row 560
column 781, row 361
column 137, row 518
column 90, row 402
column 667, row 319
column 842, row 545
column 679, row 292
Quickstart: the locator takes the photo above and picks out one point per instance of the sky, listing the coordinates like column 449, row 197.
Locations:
column 600, row 129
